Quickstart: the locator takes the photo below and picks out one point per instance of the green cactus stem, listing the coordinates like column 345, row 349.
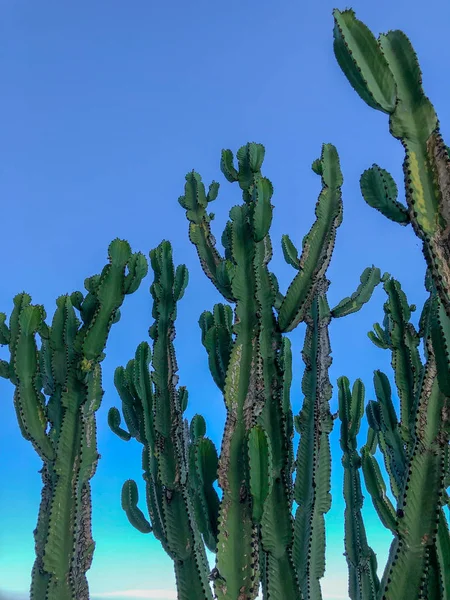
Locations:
column 67, row 369
column 180, row 466
column 386, row 74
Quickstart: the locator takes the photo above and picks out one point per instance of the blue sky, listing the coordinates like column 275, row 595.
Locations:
column 105, row 107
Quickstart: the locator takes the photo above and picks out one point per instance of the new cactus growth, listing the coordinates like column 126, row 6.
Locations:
column 386, row 74
column 62, row 429
column 414, row 448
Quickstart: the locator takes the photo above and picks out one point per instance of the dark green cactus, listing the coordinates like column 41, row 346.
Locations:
column 386, row 74
column 180, row 465
column 62, row 430
column 414, row 448
column 251, row 363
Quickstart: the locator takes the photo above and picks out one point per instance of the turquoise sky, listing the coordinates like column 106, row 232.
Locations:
column 106, row 105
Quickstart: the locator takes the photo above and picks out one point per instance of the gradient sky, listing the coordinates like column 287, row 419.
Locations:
column 106, row 105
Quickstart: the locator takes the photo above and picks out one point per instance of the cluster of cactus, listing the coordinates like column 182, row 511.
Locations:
column 239, row 503
column 62, row 427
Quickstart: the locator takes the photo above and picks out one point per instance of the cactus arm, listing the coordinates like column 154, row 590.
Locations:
column 195, row 201
column 130, row 498
column 276, row 422
column 405, row 360
column 406, row 572
column 238, row 539
column 379, row 190
column 217, row 338
column 317, row 244
column 362, row 61
column 184, row 543
column 420, row 495
column 114, row 421
column 110, row 294
column 203, row 465
column 362, row 564
column 260, row 467
column 377, row 489
column 370, row 278
column 389, row 437
column 30, row 401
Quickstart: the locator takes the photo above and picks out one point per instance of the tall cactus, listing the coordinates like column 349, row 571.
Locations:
column 386, row 74
column 179, row 465
column 62, row 430
column 257, row 539
column 414, row 448
column 314, row 424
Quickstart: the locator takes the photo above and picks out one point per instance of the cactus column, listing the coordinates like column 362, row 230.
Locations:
column 63, row 431
column 256, row 538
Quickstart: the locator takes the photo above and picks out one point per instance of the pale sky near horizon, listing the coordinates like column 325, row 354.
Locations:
column 106, row 106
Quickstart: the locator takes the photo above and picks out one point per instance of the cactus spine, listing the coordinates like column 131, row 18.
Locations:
column 62, row 430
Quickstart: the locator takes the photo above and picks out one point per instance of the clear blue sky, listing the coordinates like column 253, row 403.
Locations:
column 105, row 106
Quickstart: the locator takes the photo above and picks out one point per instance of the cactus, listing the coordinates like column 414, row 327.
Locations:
column 67, row 369
column 183, row 510
column 414, row 448
column 258, row 540
column 314, row 424
column 386, row 74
